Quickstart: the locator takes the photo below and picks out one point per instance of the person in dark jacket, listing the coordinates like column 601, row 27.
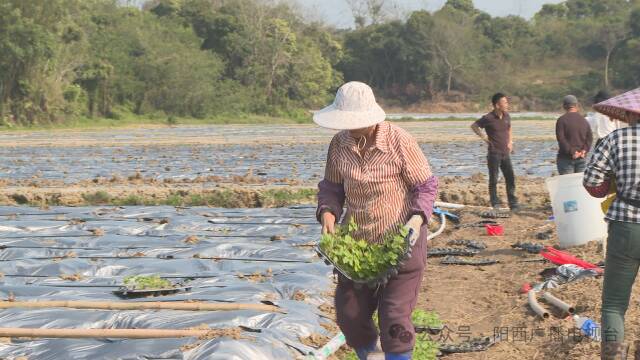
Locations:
column 574, row 138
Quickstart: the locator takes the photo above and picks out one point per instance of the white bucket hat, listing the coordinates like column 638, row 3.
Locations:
column 355, row 107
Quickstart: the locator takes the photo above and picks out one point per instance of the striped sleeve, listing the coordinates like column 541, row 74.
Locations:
column 416, row 169
column 331, row 195
column 331, row 171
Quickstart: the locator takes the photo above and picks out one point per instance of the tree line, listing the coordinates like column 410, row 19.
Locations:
column 62, row 59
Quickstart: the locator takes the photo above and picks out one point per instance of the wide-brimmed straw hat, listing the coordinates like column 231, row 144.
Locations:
column 621, row 106
column 354, row 107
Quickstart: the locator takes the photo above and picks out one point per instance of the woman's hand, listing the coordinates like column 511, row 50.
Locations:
column 328, row 223
column 414, row 223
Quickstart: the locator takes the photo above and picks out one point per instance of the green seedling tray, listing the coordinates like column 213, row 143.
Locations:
column 383, row 277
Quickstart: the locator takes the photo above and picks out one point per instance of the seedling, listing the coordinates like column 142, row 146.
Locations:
column 140, row 282
column 421, row 318
column 359, row 259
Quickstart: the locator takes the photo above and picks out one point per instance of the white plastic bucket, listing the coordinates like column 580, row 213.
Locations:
column 578, row 216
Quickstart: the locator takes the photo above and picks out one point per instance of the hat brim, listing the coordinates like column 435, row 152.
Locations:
column 333, row 118
column 615, row 112
column 621, row 107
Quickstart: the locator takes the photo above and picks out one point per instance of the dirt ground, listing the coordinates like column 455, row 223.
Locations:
column 424, row 131
column 438, row 107
column 238, row 191
column 476, row 301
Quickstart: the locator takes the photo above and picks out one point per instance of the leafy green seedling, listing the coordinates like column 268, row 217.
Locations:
column 360, row 259
column 141, row 282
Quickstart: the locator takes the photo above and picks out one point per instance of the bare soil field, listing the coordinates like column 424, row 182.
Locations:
column 423, row 131
column 472, row 301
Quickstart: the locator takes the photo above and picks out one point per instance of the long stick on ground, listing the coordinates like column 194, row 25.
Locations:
column 106, row 333
column 148, row 305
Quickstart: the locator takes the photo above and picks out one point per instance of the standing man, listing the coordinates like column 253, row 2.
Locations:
column 574, row 138
column 602, row 125
column 499, row 138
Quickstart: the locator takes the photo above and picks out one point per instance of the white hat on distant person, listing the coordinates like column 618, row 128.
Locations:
column 354, row 107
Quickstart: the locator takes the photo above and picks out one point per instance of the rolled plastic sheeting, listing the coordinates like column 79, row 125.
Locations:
column 558, row 303
column 105, row 333
column 458, row 206
column 533, row 303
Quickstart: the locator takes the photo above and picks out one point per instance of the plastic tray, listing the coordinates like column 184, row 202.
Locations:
column 380, row 279
column 125, row 292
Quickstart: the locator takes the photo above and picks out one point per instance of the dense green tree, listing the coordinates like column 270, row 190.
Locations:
column 421, row 60
column 377, row 55
column 263, row 48
column 507, row 32
column 557, row 11
column 466, row 6
column 27, row 46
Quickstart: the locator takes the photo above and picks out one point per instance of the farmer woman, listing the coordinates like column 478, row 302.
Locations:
column 379, row 173
column 617, row 157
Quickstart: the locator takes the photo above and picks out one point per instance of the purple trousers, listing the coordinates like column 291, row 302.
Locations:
column 355, row 305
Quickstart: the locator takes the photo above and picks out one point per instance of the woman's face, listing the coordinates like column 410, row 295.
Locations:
column 358, row 133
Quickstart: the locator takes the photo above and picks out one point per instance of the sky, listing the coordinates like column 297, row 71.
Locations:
column 337, row 12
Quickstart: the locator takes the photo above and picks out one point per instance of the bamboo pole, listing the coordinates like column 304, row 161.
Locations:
column 147, row 305
column 106, row 333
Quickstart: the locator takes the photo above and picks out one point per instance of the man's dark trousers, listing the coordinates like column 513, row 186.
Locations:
column 497, row 162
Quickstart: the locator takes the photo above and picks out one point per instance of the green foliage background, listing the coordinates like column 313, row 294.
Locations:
column 64, row 60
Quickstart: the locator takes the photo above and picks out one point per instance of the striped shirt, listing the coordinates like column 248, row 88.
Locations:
column 380, row 188
column 618, row 155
